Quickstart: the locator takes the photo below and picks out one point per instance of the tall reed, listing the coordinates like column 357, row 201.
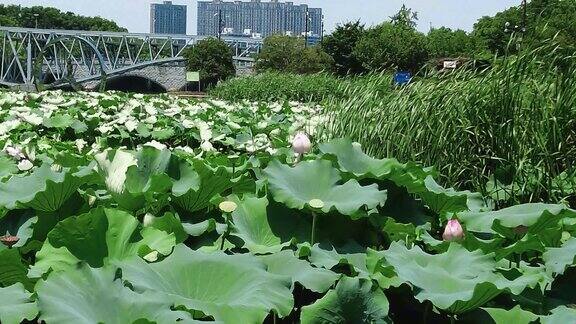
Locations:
column 508, row 131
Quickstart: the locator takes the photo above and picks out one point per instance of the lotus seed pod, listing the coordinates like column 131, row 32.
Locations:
column 453, row 231
column 227, row 206
column 301, row 143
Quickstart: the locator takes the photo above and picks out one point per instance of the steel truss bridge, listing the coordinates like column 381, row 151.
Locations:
column 30, row 57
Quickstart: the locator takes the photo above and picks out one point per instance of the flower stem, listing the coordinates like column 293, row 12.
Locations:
column 225, row 235
column 313, row 234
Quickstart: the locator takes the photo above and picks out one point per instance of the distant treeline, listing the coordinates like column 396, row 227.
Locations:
column 52, row 18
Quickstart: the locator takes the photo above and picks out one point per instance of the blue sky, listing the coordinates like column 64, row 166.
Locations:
column 134, row 14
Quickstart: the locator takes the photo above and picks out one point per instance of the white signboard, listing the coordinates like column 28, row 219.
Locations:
column 450, row 64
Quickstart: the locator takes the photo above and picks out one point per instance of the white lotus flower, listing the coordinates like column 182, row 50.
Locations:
column 156, row 145
column 14, row 152
column 80, row 144
column 233, row 125
column 25, row 165
column 131, row 125
column 207, row 146
column 104, row 129
column 205, row 131
column 32, row 119
column 187, row 123
column 151, row 120
column 115, row 171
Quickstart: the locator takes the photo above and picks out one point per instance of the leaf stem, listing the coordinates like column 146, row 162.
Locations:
column 313, row 234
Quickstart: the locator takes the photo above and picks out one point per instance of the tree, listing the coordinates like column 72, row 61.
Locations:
column 545, row 19
column 444, row 42
column 52, row 18
column 340, row 46
column 405, row 17
column 390, row 46
column 289, row 54
column 212, row 58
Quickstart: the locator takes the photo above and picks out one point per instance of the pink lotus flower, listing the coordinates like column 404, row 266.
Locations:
column 453, row 231
column 301, row 143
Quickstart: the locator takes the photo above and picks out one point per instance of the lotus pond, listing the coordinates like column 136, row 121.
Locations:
column 119, row 208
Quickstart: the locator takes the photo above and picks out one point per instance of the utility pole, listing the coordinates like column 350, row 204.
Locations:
column 322, row 30
column 306, row 33
column 219, row 23
column 524, row 16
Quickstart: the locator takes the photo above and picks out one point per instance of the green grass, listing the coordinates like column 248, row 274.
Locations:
column 509, row 131
column 305, row 88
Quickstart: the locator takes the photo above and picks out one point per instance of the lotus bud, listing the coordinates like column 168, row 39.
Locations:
column 453, row 231
column 9, row 240
column 301, row 143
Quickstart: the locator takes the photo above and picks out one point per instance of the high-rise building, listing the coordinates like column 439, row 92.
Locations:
column 167, row 18
column 257, row 17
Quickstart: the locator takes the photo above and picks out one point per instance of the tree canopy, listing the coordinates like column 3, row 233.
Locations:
column 340, row 45
column 52, row 18
column 212, row 58
column 289, row 54
column 392, row 46
column 445, row 42
column 544, row 19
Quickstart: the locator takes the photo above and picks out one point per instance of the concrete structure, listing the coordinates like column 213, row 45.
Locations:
column 258, row 18
column 167, row 18
column 53, row 58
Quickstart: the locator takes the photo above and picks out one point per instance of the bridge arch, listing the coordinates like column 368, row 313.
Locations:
column 61, row 73
column 132, row 83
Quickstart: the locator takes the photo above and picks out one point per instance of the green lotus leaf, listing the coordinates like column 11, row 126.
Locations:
column 97, row 238
column 129, row 177
column 325, row 256
column 516, row 315
column 59, row 121
column 198, row 184
column 7, row 166
column 557, row 259
column 170, row 223
column 317, row 179
column 529, row 242
column 457, row 280
column 198, row 229
column 267, row 228
column 352, row 159
column 354, row 300
column 415, row 179
column 536, row 217
column 285, row 263
column 560, row 314
column 230, row 288
column 16, row 305
column 12, row 269
column 89, row 295
column 44, row 190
